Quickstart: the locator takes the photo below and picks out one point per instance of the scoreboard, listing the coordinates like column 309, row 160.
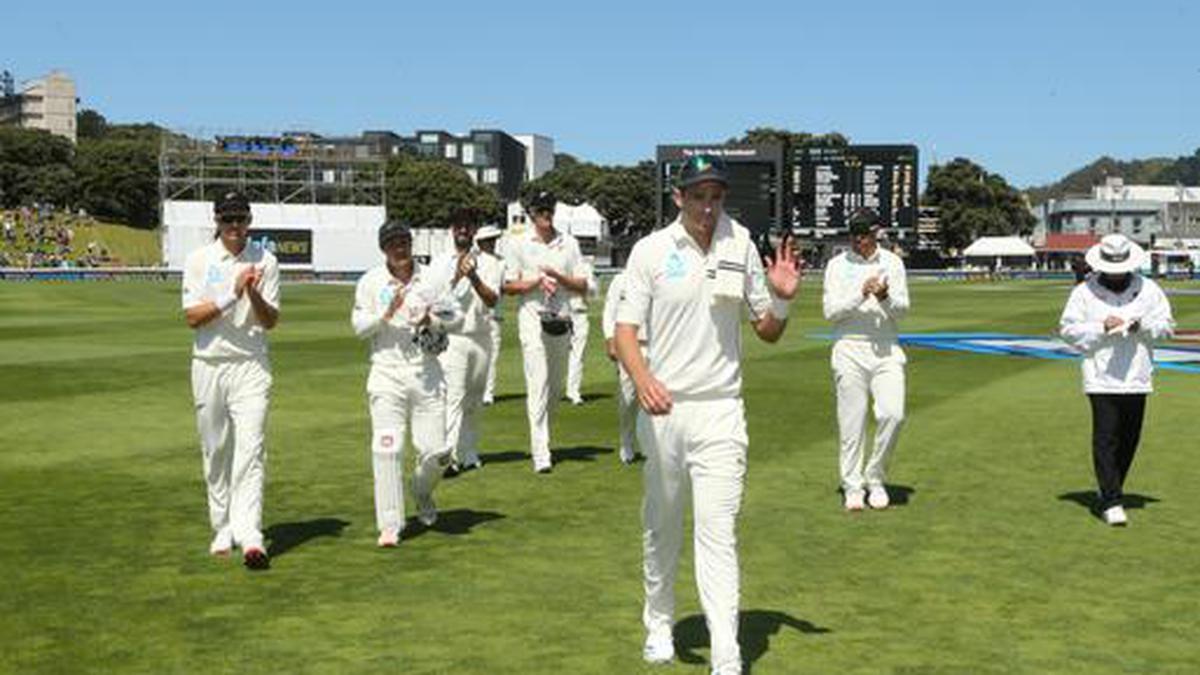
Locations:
column 756, row 189
column 829, row 183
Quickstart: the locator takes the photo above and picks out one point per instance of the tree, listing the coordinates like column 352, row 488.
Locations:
column 90, row 124
column 789, row 139
column 35, row 166
column 624, row 195
column 117, row 179
column 427, row 191
column 973, row 203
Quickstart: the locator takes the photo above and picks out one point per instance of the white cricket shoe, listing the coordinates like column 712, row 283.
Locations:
column 222, row 543
column 877, row 497
column 426, row 510
column 1115, row 516
column 659, row 647
column 389, row 538
column 854, row 500
column 541, row 465
column 627, row 455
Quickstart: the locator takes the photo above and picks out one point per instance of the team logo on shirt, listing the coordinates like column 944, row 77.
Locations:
column 675, row 267
column 214, row 275
column 386, row 294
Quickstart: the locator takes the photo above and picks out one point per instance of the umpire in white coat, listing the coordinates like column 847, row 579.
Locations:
column 865, row 293
column 1114, row 319
column 688, row 285
column 231, row 299
column 404, row 312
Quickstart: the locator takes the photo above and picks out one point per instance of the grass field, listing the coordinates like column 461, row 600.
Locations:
column 992, row 563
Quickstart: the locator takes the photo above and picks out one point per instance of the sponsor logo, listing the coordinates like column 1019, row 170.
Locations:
column 675, row 267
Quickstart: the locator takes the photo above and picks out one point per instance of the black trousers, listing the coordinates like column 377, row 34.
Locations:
column 1116, row 430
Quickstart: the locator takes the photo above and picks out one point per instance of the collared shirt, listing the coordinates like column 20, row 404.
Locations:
column 1119, row 362
column 530, row 254
column 211, row 272
column 690, row 303
column 476, row 313
column 391, row 341
column 856, row 317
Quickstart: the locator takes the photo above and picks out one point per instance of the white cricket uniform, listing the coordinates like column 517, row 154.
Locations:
column 495, row 330
column 545, row 355
column 231, row 386
column 465, row 361
column 690, row 303
column 579, row 333
column 405, row 386
column 867, row 360
column 627, row 401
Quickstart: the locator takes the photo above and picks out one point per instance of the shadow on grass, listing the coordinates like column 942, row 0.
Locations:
column 755, row 627
column 454, row 521
column 284, row 537
column 579, row 453
column 1089, row 500
column 500, row 398
column 587, row 398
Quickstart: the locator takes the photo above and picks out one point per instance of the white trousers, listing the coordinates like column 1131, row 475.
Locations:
column 495, row 329
column 863, row 371
column 465, row 363
column 698, row 450
column 627, row 409
column 398, row 396
column 545, row 369
column 231, row 400
column 579, row 337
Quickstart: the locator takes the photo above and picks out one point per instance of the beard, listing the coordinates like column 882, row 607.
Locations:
column 1116, row 283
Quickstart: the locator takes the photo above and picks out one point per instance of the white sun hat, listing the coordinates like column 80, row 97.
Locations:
column 1116, row 254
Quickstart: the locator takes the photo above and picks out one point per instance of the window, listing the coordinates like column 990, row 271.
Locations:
column 429, row 138
column 473, row 174
column 491, row 176
column 451, row 151
column 468, row 153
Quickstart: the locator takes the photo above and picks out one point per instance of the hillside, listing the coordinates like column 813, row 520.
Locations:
column 1151, row 171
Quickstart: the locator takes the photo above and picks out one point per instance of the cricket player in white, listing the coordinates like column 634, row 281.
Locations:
column 627, row 401
column 545, row 271
column 486, row 240
column 580, row 327
column 866, row 292
column 231, row 299
column 476, row 287
column 687, row 286
column 394, row 308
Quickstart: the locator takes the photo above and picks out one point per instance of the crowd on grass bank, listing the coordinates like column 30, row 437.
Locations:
column 45, row 236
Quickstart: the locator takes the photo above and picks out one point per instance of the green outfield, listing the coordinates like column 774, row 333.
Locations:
column 991, row 563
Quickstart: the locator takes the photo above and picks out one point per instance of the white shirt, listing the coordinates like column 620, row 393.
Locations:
column 496, row 311
column 391, row 341
column 526, row 259
column 579, row 301
column 476, row 313
column 608, row 320
column 858, row 318
column 690, row 303
column 210, row 273
column 1119, row 362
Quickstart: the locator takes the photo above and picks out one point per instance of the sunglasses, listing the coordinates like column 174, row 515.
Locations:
column 234, row 218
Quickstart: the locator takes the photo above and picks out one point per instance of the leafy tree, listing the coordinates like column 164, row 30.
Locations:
column 789, row 139
column 90, row 124
column 117, row 179
column 35, row 166
column 427, row 191
column 973, row 203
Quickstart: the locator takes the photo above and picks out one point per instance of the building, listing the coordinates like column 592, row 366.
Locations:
column 489, row 156
column 47, row 103
column 1144, row 213
column 539, row 155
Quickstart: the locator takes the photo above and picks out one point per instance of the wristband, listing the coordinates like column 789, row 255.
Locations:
column 224, row 302
column 779, row 308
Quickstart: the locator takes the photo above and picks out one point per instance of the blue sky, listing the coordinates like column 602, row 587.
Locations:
column 1031, row 90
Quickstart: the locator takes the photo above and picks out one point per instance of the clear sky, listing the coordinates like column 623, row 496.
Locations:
column 1031, row 90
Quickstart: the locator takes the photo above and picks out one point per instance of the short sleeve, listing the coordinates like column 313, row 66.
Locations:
column 633, row 305
column 193, row 281
column 270, row 281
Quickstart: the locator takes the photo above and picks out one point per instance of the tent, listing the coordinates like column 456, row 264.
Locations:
column 999, row 248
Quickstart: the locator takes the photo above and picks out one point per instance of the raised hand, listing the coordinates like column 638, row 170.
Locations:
column 783, row 270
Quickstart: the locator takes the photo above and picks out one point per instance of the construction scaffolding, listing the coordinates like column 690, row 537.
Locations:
column 199, row 170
